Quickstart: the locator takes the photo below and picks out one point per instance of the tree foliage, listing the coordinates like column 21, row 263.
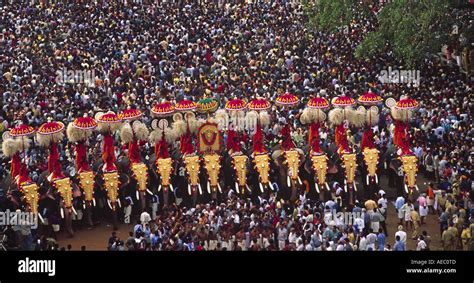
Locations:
column 328, row 15
column 413, row 29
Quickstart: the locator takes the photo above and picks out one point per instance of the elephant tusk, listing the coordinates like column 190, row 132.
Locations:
column 367, row 179
column 376, row 179
column 406, row 188
column 200, row 189
column 189, row 189
column 316, row 187
column 247, row 186
column 84, row 205
column 149, row 191
column 261, row 187
column 417, row 189
column 355, row 187
column 237, row 188
column 93, row 201
column 219, row 187
column 110, row 205
column 299, row 180
column 40, row 218
column 74, row 210
column 137, row 195
column 345, row 188
column 208, row 187
column 271, row 186
column 288, row 181
column 159, row 188
column 62, row 212
column 119, row 203
column 171, row 188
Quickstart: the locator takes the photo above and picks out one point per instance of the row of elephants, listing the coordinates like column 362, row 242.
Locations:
column 203, row 152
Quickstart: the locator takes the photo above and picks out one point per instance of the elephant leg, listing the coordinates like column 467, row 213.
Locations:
column 165, row 197
column 194, row 196
column 142, row 200
column 114, row 219
column 68, row 221
column 89, row 213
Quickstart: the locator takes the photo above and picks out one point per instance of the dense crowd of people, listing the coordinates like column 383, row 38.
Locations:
column 142, row 53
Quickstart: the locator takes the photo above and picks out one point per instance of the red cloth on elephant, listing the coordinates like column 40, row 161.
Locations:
column 287, row 142
column 108, row 154
column 161, row 149
column 341, row 139
column 23, row 176
column 15, row 166
column 258, row 146
column 81, row 158
column 367, row 139
column 54, row 167
column 313, row 137
column 134, row 151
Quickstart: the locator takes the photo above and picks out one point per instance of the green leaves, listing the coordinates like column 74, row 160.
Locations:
column 329, row 15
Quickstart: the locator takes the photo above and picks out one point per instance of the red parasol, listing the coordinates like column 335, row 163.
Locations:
column 130, row 114
column 235, row 105
column 343, row 101
column 406, row 104
column 84, row 123
column 318, row 103
column 109, row 118
column 369, row 98
column 259, row 104
column 163, row 109
column 186, row 105
column 50, row 128
column 287, row 100
column 22, row 130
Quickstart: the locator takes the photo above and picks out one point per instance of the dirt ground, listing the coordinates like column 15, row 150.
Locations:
column 97, row 237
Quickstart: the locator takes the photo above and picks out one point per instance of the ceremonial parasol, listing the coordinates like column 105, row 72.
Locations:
column 287, row 100
column 318, row 103
column 207, row 105
column 259, row 104
column 84, row 123
column 130, row 114
column 163, row 109
column 235, row 105
column 343, row 101
column 186, row 105
column 369, row 98
column 21, row 131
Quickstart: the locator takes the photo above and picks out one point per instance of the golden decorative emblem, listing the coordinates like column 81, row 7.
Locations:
column 350, row 166
column 192, row 167
column 86, row 181
column 240, row 167
column 30, row 193
column 292, row 160
column 320, row 166
column 371, row 158
column 209, row 138
column 140, row 173
column 262, row 165
column 65, row 190
column 111, row 182
column 164, row 167
column 213, row 167
column 409, row 166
